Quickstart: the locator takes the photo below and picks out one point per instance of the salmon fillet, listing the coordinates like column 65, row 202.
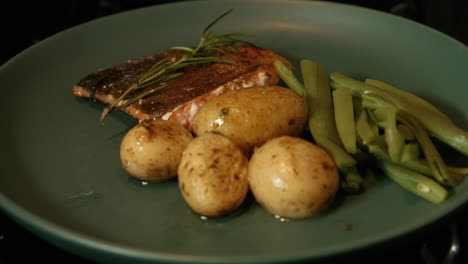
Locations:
column 184, row 95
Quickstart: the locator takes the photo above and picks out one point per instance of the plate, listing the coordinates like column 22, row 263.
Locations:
column 61, row 176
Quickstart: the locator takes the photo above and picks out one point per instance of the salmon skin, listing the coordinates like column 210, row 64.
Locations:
column 184, row 95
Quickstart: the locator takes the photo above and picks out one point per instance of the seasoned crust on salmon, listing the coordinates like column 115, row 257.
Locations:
column 181, row 98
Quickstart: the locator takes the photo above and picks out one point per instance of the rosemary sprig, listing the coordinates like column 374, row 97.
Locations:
column 165, row 70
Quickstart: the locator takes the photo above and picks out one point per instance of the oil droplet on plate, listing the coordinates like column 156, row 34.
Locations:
column 281, row 219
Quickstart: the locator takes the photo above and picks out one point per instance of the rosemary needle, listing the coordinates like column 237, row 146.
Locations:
column 165, row 70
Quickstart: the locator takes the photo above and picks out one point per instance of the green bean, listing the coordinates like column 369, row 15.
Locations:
column 419, row 102
column 379, row 140
column 344, row 118
column 433, row 157
column 379, row 111
column 421, row 166
column 365, row 131
column 288, row 77
column 458, row 170
column 320, row 119
column 322, row 122
column 344, row 111
column 410, row 151
column 352, row 181
column 393, row 138
column 385, row 116
column 415, row 182
column 406, row 132
column 438, row 125
column 343, row 160
column 319, row 98
column 417, row 165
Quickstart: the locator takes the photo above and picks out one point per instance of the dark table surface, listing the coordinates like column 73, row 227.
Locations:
column 41, row 19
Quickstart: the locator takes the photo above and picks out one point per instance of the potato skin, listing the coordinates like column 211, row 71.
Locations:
column 251, row 116
column 292, row 178
column 213, row 175
column 152, row 150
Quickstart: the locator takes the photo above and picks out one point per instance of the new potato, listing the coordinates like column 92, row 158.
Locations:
column 291, row 177
column 213, row 175
column 251, row 116
column 151, row 150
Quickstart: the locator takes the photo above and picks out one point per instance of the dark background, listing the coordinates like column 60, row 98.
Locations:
column 26, row 23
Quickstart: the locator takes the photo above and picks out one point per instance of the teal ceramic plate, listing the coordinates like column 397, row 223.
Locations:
column 60, row 171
